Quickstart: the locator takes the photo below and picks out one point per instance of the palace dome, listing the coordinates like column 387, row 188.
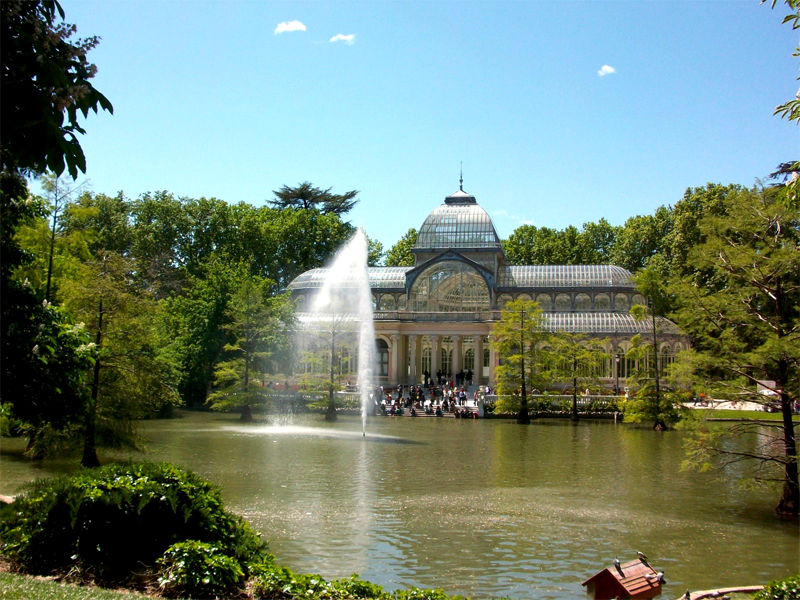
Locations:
column 458, row 223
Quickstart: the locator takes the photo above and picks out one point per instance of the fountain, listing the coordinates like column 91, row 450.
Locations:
column 342, row 310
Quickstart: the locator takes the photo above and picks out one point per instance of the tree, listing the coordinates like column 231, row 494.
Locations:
column 517, row 337
column 375, row 252
column 649, row 281
column 59, row 193
column 400, row 254
column 308, row 197
column 743, row 317
column 258, row 326
column 574, row 358
column 130, row 379
column 46, row 83
column 641, row 238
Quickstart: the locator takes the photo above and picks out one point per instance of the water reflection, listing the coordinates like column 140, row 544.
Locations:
column 481, row 508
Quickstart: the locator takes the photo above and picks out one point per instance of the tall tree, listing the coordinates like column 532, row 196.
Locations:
column 400, row 254
column 259, row 329
column 517, row 337
column 576, row 359
column 307, row 196
column 641, row 238
column 650, row 282
column 131, row 378
column 744, row 319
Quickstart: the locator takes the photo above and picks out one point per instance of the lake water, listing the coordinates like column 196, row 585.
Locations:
column 481, row 508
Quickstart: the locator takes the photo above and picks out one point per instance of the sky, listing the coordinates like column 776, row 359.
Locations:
column 561, row 113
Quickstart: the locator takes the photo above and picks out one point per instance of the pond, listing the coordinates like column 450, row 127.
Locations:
column 481, row 508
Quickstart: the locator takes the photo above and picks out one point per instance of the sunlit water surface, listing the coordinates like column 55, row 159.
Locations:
column 480, row 508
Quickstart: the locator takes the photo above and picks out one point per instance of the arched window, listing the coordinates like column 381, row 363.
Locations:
column 426, row 360
column 639, row 299
column 401, row 302
column 602, row 302
column 382, row 357
column 583, row 302
column 387, row 302
column 621, row 303
column 300, row 303
column 545, row 302
column 666, row 358
column 563, row 303
column 502, row 300
column 523, row 297
column 469, row 360
column 374, row 302
column 446, row 361
column 449, row 286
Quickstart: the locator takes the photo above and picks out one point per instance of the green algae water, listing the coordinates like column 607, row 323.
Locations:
column 481, row 508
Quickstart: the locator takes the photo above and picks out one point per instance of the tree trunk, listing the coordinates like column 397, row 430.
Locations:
column 89, row 437
column 790, row 498
column 330, row 414
column 523, row 418
column 574, row 416
column 247, row 412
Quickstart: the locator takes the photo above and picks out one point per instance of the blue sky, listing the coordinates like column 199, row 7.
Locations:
column 216, row 99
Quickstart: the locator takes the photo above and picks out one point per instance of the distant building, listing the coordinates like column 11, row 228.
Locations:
column 438, row 314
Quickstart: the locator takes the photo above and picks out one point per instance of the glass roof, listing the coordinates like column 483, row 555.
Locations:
column 379, row 277
column 569, row 276
column 605, row 323
column 459, row 224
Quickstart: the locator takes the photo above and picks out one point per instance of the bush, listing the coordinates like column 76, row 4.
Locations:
column 784, row 589
column 198, row 570
column 109, row 521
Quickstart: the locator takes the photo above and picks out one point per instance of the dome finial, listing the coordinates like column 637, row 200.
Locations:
column 461, row 176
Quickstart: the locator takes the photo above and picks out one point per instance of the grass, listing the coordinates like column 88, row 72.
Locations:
column 747, row 414
column 22, row 587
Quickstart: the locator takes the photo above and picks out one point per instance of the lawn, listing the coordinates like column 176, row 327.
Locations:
column 21, row 587
column 746, row 414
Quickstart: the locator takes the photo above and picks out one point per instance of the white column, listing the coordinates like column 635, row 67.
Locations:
column 394, row 373
column 456, row 354
column 434, row 355
column 478, row 368
column 412, row 348
column 493, row 361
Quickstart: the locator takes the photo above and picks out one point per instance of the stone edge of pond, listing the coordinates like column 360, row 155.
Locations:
column 747, row 589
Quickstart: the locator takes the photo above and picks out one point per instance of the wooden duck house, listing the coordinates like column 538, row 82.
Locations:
column 635, row 579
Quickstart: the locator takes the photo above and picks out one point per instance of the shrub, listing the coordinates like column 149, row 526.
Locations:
column 421, row 594
column 111, row 520
column 354, row 588
column 198, row 570
column 784, row 589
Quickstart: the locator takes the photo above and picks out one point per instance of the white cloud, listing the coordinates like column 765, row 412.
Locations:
column 606, row 70
column 289, row 26
column 347, row 39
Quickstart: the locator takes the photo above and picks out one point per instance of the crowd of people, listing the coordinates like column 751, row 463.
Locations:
column 429, row 399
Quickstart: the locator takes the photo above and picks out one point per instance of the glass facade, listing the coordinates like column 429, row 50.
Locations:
column 449, row 286
column 457, row 226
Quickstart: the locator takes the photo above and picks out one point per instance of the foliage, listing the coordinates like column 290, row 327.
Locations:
column 46, row 84
column 131, row 379
column 259, row 338
column 308, row 197
column 400, row 254
column 517, row 337
column 199, row 570
column 743, row 316
column 783, row 589
column 531, row 245
column 576, row 359
column 109, row 521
